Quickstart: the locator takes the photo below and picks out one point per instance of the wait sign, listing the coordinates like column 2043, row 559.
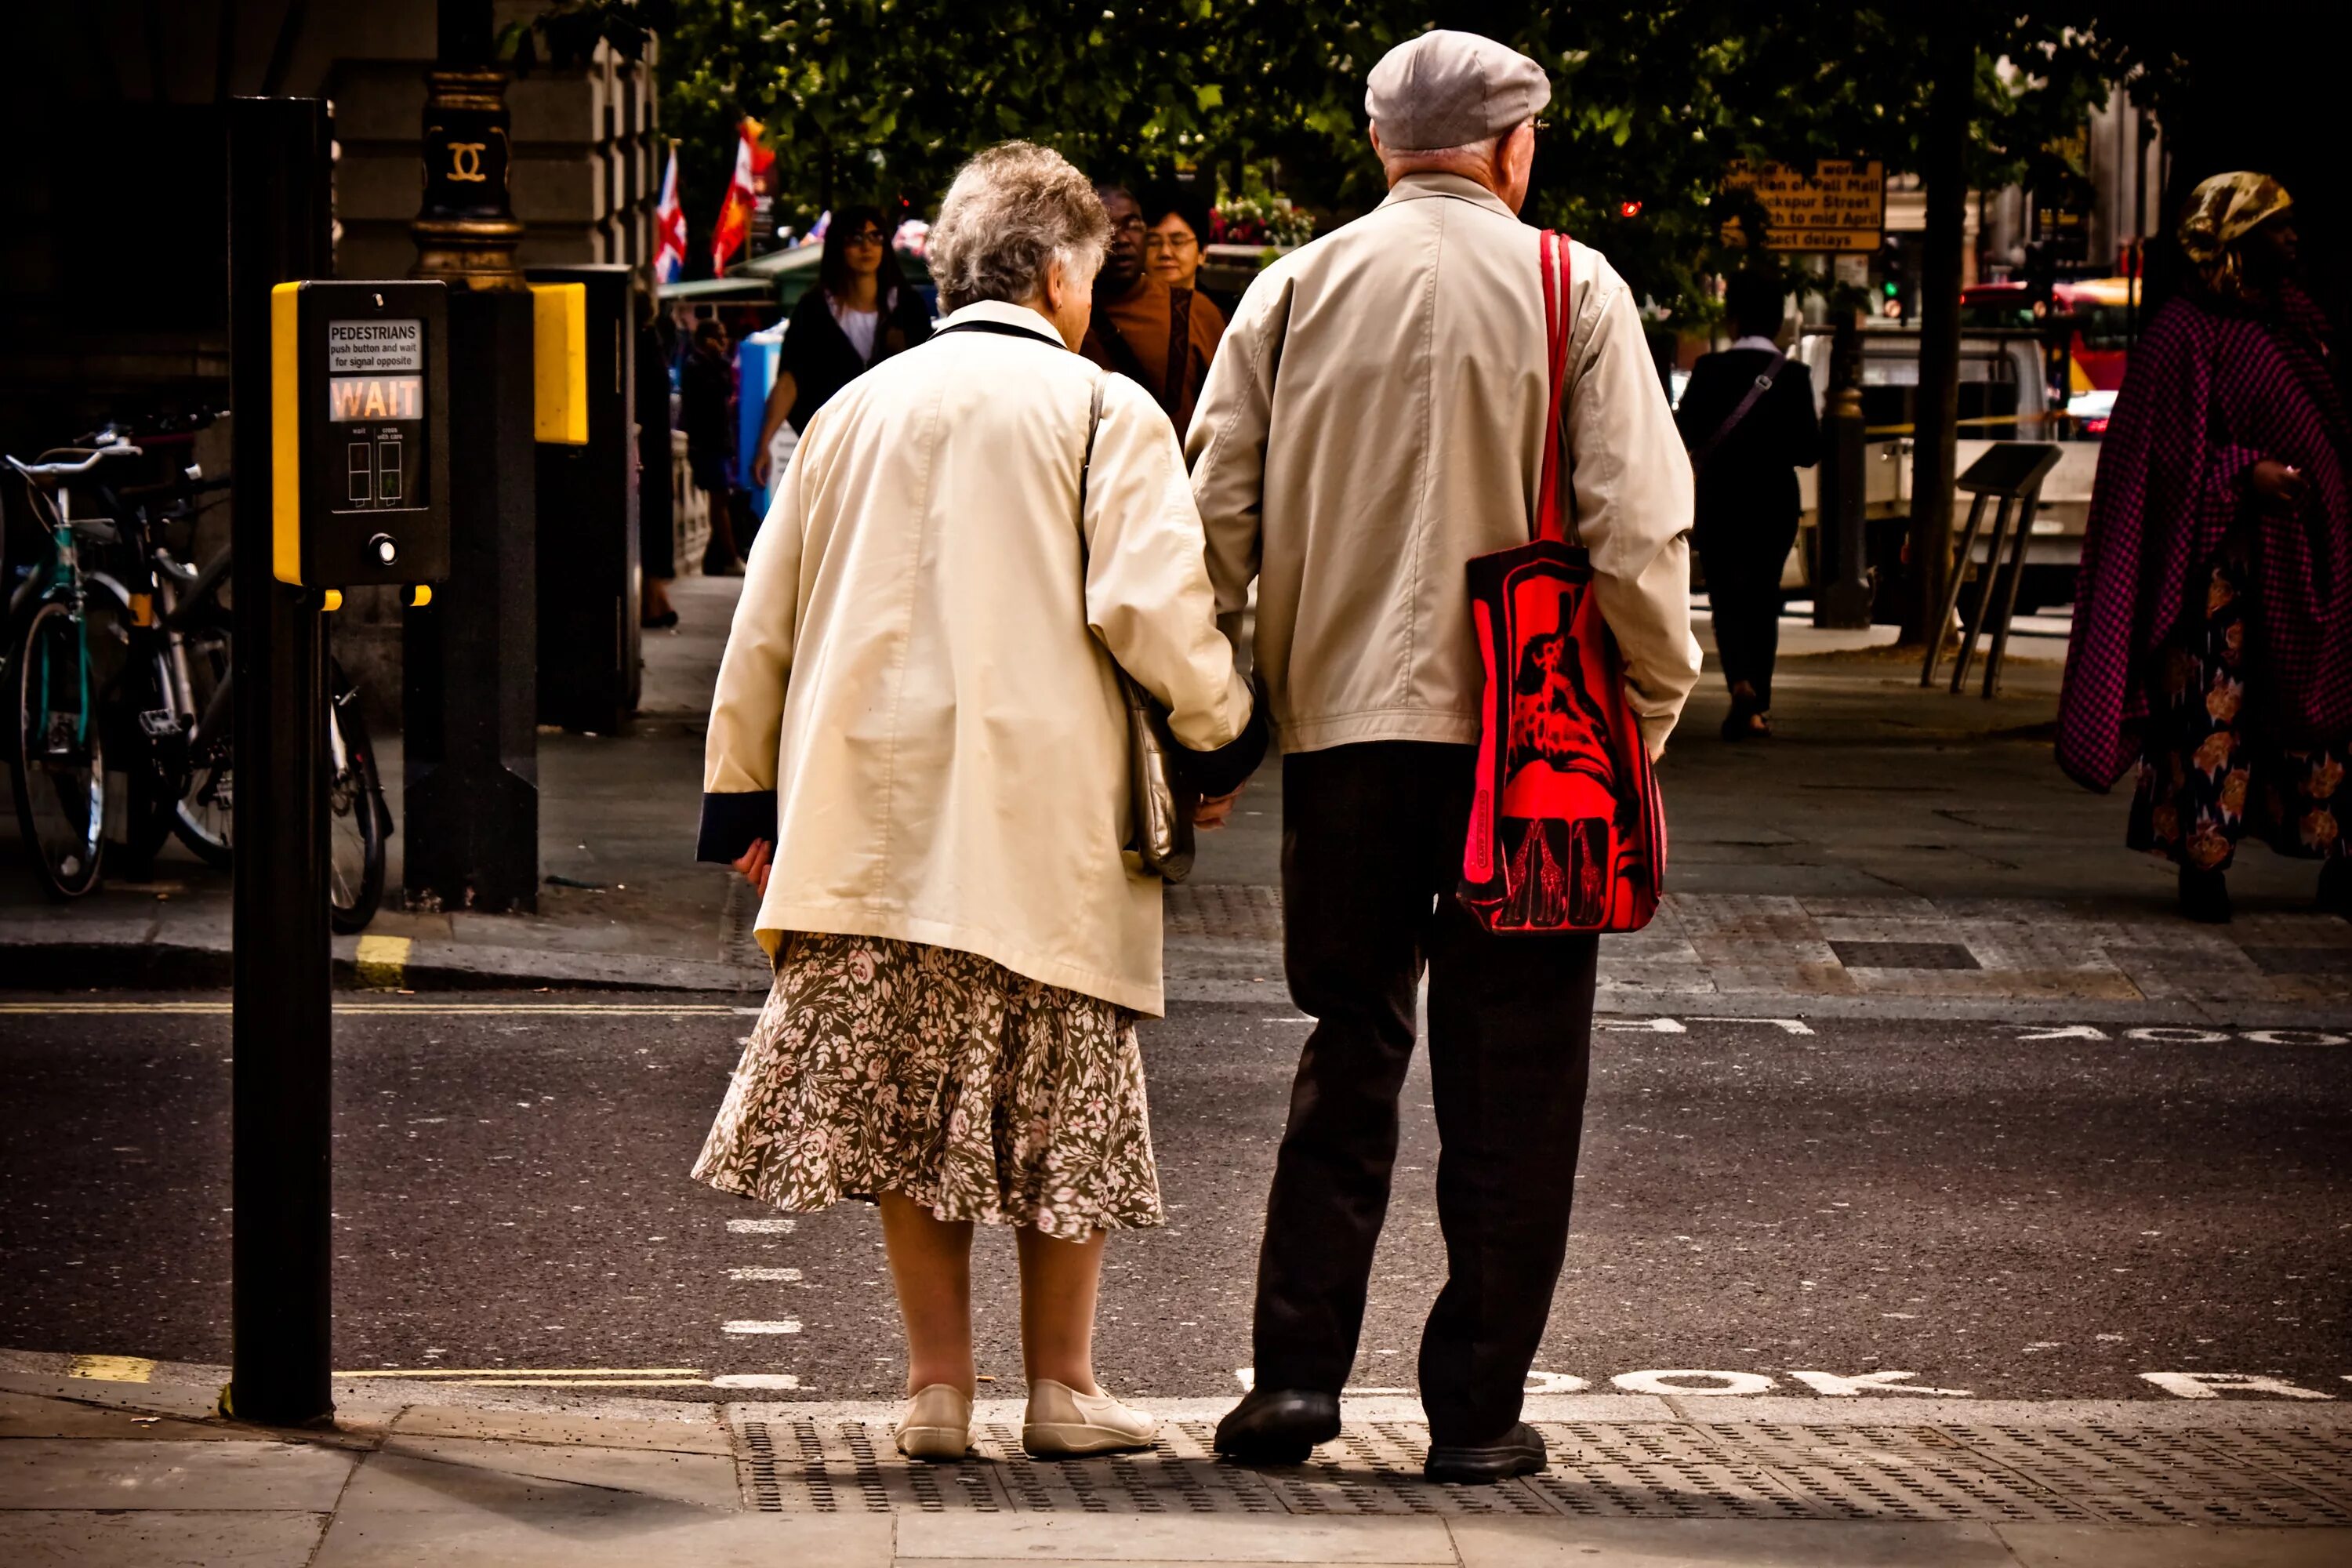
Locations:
column 1841, row 207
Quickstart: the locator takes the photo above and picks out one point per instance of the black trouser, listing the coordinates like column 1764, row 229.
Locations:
column 1371, row 853
column 1743, row 589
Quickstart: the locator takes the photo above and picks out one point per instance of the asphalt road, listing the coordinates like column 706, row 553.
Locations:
column 2017, row 1218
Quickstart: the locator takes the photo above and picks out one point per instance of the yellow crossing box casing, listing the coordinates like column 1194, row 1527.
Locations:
column 559, row 362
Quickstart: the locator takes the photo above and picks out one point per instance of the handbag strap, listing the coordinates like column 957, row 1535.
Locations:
column 1086, row 463
column 1552, row 253
column 1180, row 349
column 1739, row 411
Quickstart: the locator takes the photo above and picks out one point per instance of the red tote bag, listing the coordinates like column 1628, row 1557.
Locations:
column 1566, row 830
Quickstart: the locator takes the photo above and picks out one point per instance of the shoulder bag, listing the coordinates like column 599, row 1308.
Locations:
column 1160, row 808
column 1739, row 411
column 1567, row 829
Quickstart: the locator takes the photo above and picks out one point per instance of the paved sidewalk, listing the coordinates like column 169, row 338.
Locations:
column 98, row 1470
column 1895, row 850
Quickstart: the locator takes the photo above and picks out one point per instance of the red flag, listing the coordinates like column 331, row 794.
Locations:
column 751, row 160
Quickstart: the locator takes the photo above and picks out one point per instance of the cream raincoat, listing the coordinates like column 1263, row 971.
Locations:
column 918, row 703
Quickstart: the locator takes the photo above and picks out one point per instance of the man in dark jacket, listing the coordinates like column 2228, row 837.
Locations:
column 1745, row 452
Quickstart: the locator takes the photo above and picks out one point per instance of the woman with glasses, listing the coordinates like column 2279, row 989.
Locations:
column 1176, row 231
column 860, row 313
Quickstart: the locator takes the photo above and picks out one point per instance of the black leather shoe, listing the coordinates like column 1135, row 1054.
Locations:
column 2336, row 888
column 1518, row 1452
column 2205, row 896
column 1278, row 1425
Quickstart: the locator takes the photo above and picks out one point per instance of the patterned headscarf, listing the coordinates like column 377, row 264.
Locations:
column 2222, row 211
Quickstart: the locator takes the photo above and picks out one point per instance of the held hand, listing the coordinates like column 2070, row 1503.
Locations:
column 754, row 866
column 2278, row 486
column 1211, row 812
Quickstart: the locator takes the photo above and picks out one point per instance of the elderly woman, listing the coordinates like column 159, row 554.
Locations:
column 917, row 752
column 2212, row 643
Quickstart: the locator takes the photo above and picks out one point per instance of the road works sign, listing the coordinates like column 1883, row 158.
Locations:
column 1839, row 206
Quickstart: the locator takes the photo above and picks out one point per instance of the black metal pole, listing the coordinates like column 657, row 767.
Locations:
column 1841, row 590
column 1934, row 464
column 281, row 1029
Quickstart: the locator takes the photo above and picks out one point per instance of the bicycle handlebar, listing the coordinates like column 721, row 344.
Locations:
column 66, row 471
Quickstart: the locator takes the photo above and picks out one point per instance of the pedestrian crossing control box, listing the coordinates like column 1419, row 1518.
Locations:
column 360, row 435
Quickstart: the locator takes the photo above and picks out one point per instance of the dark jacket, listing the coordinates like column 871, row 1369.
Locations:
column 1748, row 485
column 819, row 357
column 705, row 386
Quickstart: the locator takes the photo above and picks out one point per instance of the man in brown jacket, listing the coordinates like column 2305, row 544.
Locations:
column 1403, row 437
column 1160, row 337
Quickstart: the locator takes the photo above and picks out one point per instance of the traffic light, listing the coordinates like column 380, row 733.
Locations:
column 1629, row 209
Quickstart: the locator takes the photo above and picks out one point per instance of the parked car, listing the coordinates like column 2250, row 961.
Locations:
column 2003, row 396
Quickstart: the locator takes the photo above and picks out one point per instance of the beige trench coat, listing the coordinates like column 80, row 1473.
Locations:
column 1375, row 419
column 917, row 704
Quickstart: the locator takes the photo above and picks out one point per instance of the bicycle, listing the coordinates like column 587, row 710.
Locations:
column 152, row 691
column 56, row 748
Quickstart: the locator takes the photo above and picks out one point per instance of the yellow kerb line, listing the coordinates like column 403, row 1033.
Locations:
column 527, row 1371
column 111, row 1368
column 382, row 962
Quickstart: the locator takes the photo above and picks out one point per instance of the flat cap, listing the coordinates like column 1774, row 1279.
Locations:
column 1448, row 90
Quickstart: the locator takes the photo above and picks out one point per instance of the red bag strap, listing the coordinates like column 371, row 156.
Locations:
column 1552, row 261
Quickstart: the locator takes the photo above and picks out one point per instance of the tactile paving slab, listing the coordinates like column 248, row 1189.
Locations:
column 2085, row 1474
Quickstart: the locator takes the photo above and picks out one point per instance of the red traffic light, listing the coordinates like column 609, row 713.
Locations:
column 1629, row 209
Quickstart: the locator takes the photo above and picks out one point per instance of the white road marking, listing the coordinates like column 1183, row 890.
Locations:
column 2278, row 1037
column 760, row 1226
column 1786, row 1026
column 2214, row 1384
column 2171, row 1036
column 1672, row 1381
column 789, row 1276
column 762, row 1326
column 755, row 1379
column 1834, row 1387
column 2071, row 1032
column 1555, row 1382
column 1641, row 1026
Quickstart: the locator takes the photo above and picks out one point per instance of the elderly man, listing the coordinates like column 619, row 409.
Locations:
column 1403, row 437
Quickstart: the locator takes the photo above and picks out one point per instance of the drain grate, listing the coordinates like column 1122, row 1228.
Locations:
column 2085, row 1474
column 1903, row 956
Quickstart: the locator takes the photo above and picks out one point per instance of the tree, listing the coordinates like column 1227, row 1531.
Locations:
column 881, row 100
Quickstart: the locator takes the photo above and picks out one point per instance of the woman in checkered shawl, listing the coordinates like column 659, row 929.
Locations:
column 2212, row 643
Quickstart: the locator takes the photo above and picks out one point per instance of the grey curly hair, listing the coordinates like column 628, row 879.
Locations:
column 1014, row 210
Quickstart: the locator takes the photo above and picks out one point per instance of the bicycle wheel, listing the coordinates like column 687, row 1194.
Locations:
column 206, row 811
column 354, row 822
column 59, row 764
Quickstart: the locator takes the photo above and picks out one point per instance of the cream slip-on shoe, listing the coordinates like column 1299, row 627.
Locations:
column 1061, row 1423
column 938, row 1424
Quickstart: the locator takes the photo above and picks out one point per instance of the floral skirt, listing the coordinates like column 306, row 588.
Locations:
column 2205, row 784
column 883, row 1066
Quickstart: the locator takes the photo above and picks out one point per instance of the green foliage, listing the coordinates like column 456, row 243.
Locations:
column 882, row 99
